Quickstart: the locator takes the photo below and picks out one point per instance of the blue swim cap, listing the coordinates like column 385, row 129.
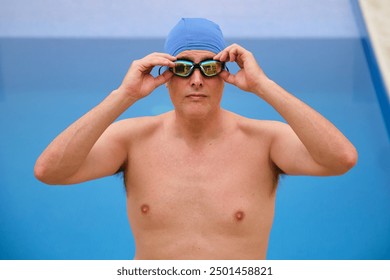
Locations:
column 194, row 34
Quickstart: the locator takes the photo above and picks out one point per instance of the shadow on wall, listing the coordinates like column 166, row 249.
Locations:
column 1, row 76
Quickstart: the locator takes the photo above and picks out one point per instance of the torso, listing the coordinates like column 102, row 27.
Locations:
column 215, row 201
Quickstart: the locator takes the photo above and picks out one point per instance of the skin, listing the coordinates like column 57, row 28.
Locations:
column 200, row 180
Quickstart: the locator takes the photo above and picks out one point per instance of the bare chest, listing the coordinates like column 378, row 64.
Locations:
column 220, row 184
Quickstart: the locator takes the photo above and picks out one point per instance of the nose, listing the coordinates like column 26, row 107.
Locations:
column 196, row 78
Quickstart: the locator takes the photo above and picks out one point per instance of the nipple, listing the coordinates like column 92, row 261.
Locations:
column 144, row 208
column 239, row 216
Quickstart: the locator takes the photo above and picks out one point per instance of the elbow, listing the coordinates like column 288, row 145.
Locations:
column 42, row 173
column 347, row 161
column 350, row 158
column 45, row 173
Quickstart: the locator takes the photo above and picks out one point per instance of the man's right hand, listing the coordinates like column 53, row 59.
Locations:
column 138, row 81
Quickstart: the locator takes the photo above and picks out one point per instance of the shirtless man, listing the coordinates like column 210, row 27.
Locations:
column 201, row 181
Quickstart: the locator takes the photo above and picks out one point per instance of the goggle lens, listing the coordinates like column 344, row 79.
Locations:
column 182, row 68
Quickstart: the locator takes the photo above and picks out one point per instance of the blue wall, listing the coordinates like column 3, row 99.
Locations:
column 48, row 81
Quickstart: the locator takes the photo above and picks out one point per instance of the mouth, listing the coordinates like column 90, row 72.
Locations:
column 196, row 95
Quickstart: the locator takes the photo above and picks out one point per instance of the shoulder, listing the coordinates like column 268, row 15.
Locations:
column 255, row 127
column 139, row 127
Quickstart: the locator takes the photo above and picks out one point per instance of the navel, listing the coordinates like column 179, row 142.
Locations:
column 239, row 216
column 144, row 208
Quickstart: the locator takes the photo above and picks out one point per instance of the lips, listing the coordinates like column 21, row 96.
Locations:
column 196, row 95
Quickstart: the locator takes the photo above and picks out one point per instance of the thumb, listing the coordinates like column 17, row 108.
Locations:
column 228, row 77
column 163, row 78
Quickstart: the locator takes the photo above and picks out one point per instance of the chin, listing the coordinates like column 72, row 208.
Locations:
column 196, row 111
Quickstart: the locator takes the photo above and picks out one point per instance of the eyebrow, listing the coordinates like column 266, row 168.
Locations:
column 191, row 59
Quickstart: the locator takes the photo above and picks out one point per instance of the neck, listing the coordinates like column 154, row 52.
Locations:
column 199, row 129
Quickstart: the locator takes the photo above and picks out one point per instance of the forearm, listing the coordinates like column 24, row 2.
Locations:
column 325, row 143
column 67, row 152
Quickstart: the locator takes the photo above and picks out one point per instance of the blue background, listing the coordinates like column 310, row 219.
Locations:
column 47, row 83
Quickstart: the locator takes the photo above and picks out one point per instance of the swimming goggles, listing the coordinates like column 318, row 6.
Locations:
column 208, row 68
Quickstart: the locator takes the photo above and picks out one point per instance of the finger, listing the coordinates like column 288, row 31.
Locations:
column 146, row 66
column 165, row 55
column 230, row 54
column 156, row 59
column 233, row 55
column 228, row 77
column 160, row 61
column 163, row 78
column 219, row 56
column 222, row 56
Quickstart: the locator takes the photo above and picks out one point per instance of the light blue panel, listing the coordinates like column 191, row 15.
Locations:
column 154, row 18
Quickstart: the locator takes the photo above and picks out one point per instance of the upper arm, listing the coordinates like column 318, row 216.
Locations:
column 290, row 155
column 106, row 157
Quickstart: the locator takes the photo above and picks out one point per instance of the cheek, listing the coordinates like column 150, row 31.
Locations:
column 174, row 90
column 174, row 84
column 219, row 85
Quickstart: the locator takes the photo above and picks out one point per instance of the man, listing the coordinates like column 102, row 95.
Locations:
column 200, row 181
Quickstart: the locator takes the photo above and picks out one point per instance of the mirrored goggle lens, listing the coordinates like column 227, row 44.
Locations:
column 182, row 68
column 211, row 68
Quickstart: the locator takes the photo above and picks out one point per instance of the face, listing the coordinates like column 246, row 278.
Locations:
column 196, row 95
